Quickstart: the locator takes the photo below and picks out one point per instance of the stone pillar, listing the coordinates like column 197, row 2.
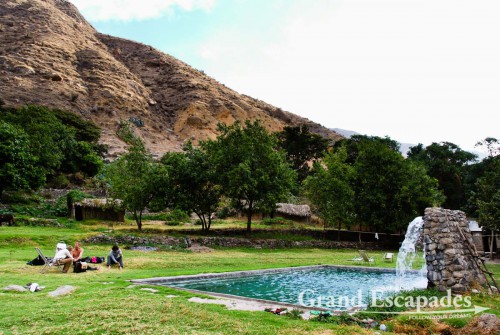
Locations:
column 450, row 263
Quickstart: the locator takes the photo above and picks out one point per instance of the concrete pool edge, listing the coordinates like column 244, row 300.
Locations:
column 164, row 281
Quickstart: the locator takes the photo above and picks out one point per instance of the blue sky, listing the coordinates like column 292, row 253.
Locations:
column 416, row 70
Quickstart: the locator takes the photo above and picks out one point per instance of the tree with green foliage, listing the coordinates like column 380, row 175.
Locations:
column 61, row 141
column 484, row 198
column 86, row 131
column 250, row 168
column 474, row 172
column 194, row 182
column 492, row 146
column 447, row 163
column 356, row 142
column 488, row 199
column 329, row 188
column 18, row 166
column 389, row 190
column 302, row 148
column 137, row 180
column 49, row 138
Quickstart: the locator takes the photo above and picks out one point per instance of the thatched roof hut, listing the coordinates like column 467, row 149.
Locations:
column 294, row 212
column 101, row 208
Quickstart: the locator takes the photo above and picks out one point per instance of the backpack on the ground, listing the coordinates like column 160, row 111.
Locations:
column 38, row 261
column 96, row 260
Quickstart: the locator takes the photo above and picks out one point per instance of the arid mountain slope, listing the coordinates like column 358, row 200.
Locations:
column 50, row 55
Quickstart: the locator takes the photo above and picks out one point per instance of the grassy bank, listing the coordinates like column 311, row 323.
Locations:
column 102, row 303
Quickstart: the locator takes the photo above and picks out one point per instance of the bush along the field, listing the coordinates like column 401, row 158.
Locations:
column 150, row 216
column 38, row 222
column 176, row 215
column 21, row 198
column 457, row 322
column 43, row 210
column 276, row 221
column 173, row 223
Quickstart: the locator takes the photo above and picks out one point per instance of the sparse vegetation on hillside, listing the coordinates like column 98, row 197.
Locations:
column 106, row 78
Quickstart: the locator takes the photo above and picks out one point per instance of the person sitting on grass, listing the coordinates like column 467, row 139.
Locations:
column 77, row 252
column 62, row 256
column 115, row 257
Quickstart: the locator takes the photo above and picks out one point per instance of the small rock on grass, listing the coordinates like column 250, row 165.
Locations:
column 62, row 290
column 131, row 286
column 152, row 290
column 15, row 288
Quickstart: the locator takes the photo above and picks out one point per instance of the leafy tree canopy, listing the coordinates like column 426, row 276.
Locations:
column 251, row 170
column 301, row 147
column 448, row 163
column 329, row 188
column 355, row 143
column 18, row 166
column 137, row 180
column 61, row 141
column 389, row 190
column 194, row 182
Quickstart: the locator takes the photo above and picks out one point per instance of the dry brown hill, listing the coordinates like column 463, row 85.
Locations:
column 50, row 55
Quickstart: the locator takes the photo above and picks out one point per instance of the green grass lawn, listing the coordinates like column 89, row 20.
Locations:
column 102, row 303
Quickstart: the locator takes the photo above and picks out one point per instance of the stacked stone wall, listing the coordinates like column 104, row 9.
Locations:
column 449, row 247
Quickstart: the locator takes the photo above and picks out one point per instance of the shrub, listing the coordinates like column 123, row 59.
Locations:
column 342, row 319
column 126, row 134
column 77, row 178
column 151, row 216
column 19, row 197
column 294, row 314
column 456, row 322
column 177, row 215
column 37, row 222
column 276, row 221
column 43, row 210
column 59, row 181
column 60, row 208
column 173, row 223
column 84, row 130
column 75, row 196
column 226, row 212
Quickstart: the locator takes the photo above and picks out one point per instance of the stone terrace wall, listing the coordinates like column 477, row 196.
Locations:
column 227, row 242
column 450, row 264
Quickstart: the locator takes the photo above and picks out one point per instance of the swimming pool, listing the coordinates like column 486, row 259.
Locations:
column 330, row 287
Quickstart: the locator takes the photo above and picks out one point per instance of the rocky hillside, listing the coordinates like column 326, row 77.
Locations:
column 50, row 55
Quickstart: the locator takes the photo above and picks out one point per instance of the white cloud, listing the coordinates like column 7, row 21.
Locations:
column 416, row 70
column 128, row 10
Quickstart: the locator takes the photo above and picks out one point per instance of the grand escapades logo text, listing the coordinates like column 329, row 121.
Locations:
column 310, row 298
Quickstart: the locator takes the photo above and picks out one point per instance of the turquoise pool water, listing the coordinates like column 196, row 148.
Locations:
column 317, row 287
